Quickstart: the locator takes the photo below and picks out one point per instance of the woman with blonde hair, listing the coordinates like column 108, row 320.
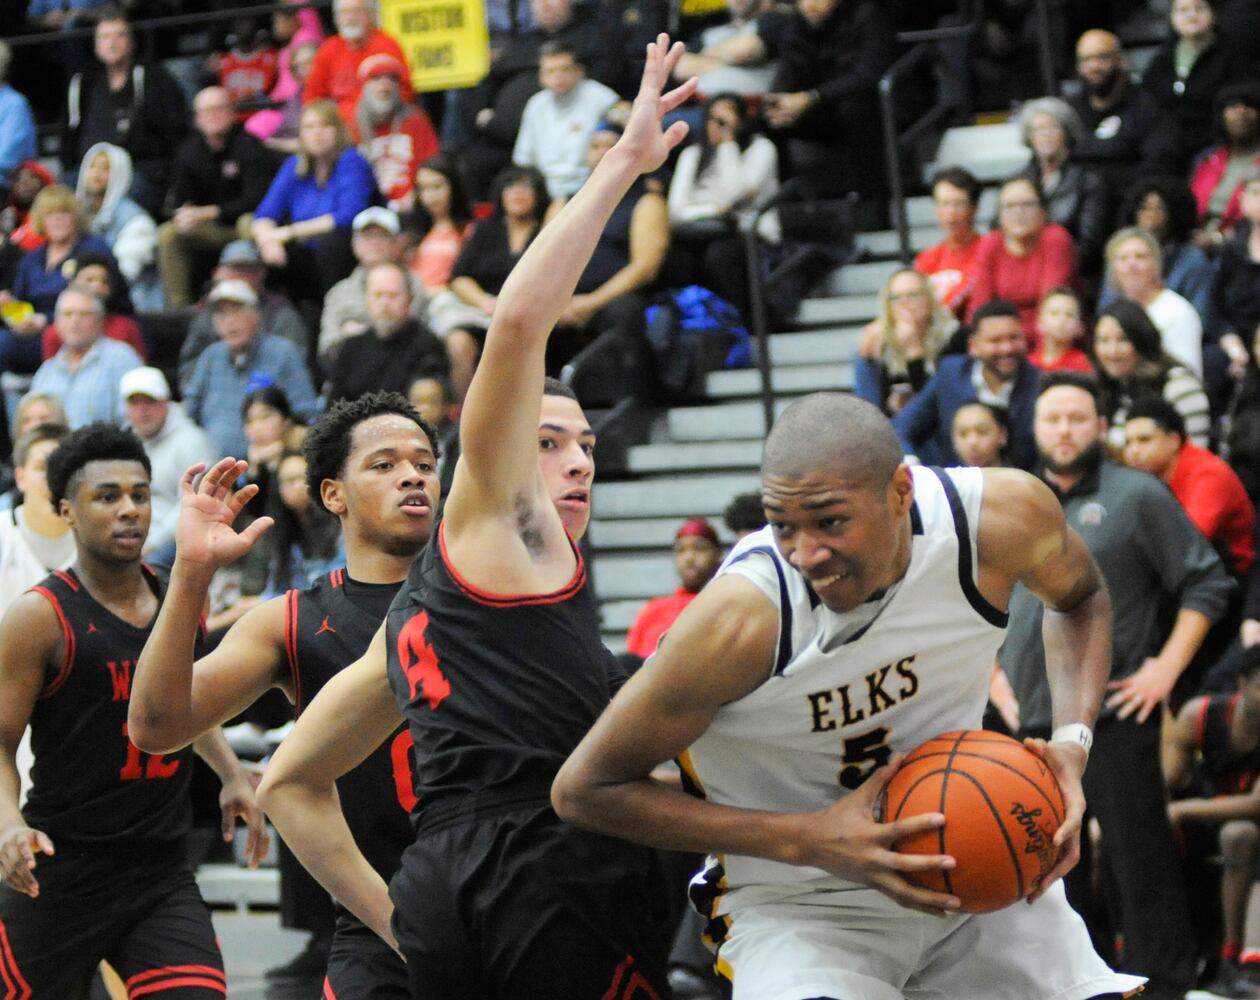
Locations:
column 46, row 272
column 302, row 225
column 1135, row 264
column 912, row 328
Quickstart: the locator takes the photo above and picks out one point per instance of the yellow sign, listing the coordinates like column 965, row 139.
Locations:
column 695, row 8
column 445, row 41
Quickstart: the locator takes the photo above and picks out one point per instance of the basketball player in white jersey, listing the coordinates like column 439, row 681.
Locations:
column 862, row 620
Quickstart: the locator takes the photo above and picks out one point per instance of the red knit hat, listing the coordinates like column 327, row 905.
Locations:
column 697, row 527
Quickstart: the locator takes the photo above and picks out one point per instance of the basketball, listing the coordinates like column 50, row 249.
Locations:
column 1002, row 808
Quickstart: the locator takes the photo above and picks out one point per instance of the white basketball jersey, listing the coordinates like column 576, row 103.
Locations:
column 848, row 690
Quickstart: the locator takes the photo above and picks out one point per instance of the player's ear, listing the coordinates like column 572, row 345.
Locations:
column 330, row 495
column 901, row 489
column 66, row 511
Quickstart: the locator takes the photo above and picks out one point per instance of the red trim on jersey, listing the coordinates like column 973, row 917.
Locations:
column 67, row 579
column 173, row 977
column 171, row 970
column 1200, row 723
column 337, row 577
column 515, row 600
column 176, row 983
column 15, row 987
column 64, row 673
column 328, row 990
column 290, row 647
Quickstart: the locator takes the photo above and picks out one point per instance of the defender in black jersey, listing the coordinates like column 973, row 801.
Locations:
column 1212, row 763
column 108, row 819
column 372, row 463
column 494, row 657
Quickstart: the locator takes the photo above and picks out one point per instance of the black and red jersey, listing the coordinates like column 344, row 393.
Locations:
column 327, row 627
column 1221, row 770
column 90, row 782
column 498, row 690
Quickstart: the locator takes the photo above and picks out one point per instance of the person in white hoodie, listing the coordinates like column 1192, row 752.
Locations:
column 104, row 179
column 173, row 442
column 34, row 540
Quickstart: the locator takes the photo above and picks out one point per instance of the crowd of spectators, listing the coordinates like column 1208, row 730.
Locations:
column 312, row 229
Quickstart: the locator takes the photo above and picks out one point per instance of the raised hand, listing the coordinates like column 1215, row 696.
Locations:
column 644, row 140
column 204, row 535
column 18, row 847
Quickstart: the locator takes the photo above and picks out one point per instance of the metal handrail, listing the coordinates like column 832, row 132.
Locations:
column 922, row 51
column 151, row 24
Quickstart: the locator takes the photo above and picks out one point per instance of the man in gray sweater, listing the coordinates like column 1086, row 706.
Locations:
column 1154, row 560
column 172, row 442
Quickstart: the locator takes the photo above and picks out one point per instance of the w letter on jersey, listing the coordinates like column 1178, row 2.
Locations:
column 420, row 663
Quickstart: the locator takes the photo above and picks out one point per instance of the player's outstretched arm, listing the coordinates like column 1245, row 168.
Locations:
column 236, row 798
column 1024, row 538
column 28, row 641
column 353, row 714
column 171, row 702
column 499, row 422
column 606, row 784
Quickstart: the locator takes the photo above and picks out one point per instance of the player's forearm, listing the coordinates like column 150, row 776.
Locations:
column 213, row 747
column 1078, row 658
column 659, row 815
column 309, row 819
column 10, row 789
column 1217, row 810
column 160, row 715
column 1187, row 635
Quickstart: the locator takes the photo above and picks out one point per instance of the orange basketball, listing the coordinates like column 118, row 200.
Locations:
column 1002, row 808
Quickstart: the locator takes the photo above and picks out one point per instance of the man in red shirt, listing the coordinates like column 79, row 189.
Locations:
column 697, row 555
column 395, row 136
column 1208, row 489
column 951, row 263
column 335, row 72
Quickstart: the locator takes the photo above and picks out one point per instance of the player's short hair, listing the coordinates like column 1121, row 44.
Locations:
column 744, row 513
column 327, row 446
column 97, row 442
column 1077, row 380
column 554, row 387
column 835, row 431
column 992, row 308
column 557, row 47
column 1000, row 414
column 961, row 178
column 37, row 435
column 1159, row 410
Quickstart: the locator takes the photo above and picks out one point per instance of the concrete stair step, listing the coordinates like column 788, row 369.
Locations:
column 791, row 379
column 721, row 422
column 242, row 888
column 681, row 497
column 815, row 347
column 834, row 311
column 633, row 577
column 884, row 243
column 694, row 455
column 645, row 532
column 618, row 616
column 991, row 152
column 859, row 279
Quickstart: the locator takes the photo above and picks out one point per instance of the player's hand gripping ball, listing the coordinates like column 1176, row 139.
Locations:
column 1002, row 808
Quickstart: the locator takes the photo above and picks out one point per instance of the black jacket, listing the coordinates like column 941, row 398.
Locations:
column 235, row 178
column 1189, row 105
column 367, row 363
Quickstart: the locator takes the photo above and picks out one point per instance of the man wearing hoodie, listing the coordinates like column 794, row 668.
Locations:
column 128, row 230
column 173, row 442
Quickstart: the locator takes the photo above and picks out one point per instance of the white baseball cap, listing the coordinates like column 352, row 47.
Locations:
column 144, row 382
column 377, row 216
column 233, row 290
